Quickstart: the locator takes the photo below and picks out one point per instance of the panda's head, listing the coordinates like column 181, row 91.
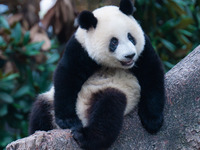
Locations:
column 111, row 36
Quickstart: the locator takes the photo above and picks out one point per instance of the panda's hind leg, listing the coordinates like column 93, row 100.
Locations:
column 105, row 120
column 40, row 116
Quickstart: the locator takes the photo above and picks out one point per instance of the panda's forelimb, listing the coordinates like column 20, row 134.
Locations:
column 105, row 120
column 150, row 74
column 73, row 70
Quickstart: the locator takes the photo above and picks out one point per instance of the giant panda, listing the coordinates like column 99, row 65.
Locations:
column 109, row 66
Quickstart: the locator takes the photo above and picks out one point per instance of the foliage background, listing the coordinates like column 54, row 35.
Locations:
column 173, row 26
column 19, row 87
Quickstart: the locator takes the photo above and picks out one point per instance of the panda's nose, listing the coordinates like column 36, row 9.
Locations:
column 130, row 56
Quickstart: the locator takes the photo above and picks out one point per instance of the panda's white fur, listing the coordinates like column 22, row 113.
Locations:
column 107, row 78
column 111, row 23
column 49, row 95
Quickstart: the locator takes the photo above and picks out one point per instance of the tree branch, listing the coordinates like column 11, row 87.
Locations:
column 181, row 129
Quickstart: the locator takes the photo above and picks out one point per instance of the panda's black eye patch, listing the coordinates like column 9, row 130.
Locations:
column 131, row 38
column 113, row 44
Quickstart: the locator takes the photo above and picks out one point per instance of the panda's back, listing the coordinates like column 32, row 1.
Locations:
column 106, row 78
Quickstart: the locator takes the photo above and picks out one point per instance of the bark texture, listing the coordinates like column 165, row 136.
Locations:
column 181, row 129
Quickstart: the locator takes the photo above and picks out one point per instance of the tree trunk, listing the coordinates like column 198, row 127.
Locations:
column 181, row 129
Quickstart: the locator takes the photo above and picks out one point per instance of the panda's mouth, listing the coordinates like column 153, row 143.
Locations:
column 127, row 63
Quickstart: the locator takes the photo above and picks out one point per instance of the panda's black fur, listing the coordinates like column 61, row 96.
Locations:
column 107, row 106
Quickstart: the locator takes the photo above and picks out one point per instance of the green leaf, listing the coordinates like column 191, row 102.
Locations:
column 51, row 68
column 6, row 86
column 11, row 77
column 176, row 7
column 6, row 97
column 53, row 58
column 168, row 45
column 41, row 67
column 3, row 110
column 198, row 19
column 25, row 106
column 4, row 23
column 32, row 53
column 19, row 116
column 54, row 43
column 17, row 106
column 33, row 48
column 8, row 50
column 184, row 23
column 24, row 90
column 186, row 32
column 2, row 42
column 141, row 2
column 26, row 38
column 6, row 140
column 168, row 64
column 16, row 33
column 168, row 25
column 185, row 40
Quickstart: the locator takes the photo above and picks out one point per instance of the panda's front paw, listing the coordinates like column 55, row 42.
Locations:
column 78, row 135
column 152, row 123
column 68, row 123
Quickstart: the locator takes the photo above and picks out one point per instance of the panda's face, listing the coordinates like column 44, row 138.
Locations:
column 116, row 41
column 124, row 50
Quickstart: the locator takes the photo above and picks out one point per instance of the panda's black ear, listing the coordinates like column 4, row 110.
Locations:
column 127, row 7
column 87, row 20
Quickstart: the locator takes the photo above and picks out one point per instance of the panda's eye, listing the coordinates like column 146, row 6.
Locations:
column 113, row 44
column 131, row 38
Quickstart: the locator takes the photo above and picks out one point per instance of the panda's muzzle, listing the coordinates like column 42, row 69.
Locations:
column 129, row 60
column 127, row 63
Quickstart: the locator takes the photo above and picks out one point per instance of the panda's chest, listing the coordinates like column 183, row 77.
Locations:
column 119, row 79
